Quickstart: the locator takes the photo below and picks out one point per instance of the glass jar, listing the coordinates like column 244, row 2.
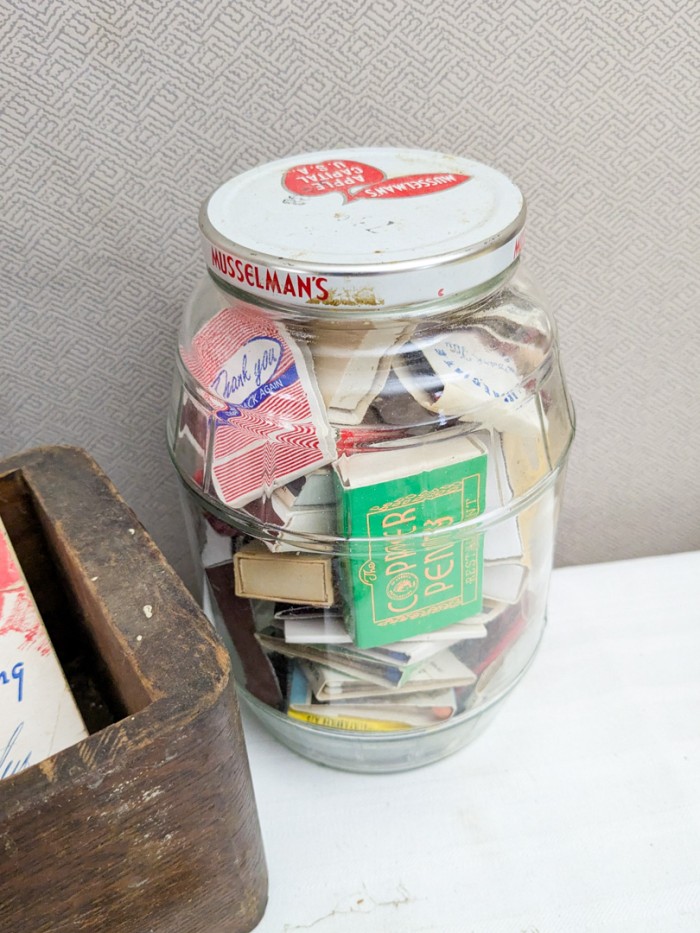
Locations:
column 371, row 427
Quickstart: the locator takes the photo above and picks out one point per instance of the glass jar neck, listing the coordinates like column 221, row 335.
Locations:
column 369, row 310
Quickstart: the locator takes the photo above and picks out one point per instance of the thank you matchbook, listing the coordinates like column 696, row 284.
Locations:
column 411, row 569
column 271, row 427
column 38, row 715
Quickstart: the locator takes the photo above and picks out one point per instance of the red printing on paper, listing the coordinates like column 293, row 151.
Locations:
column 357, row 180
column 267, row 431
column 356, row 440
column 17, row 612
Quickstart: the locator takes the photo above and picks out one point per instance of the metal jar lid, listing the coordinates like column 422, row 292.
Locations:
column 357, row 229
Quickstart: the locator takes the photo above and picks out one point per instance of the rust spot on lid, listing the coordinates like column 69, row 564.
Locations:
column 363, row 298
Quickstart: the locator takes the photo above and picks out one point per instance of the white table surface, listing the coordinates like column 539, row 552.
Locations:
column 577, row 810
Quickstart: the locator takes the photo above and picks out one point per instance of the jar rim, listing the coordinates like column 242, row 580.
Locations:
column 454, row 230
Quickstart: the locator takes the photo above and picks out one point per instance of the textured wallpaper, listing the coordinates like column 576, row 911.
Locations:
column 118, row 119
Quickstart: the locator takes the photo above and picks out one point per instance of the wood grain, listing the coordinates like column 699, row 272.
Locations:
column 149, row 825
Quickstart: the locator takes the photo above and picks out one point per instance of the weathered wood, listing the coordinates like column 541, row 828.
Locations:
column 150, row 823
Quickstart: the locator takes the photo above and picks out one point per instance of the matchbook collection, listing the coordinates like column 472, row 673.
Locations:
column 358, row 503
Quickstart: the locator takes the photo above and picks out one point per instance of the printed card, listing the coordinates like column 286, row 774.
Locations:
column 459, row 375
column 271, row 426
column 304, row 579
column 407, row 573
column 38, row 715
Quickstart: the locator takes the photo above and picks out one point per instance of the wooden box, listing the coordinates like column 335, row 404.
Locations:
column 149, row 825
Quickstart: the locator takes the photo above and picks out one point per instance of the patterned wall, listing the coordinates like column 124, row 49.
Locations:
column 117, row 119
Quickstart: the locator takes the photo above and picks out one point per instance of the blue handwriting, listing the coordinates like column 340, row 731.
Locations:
column 232, row 383
column 17, row 673
column 10, row 766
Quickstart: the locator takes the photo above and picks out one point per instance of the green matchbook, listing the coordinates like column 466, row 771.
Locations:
column 406, row 573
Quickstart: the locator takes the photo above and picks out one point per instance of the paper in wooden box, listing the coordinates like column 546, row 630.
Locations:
column 405, row 572
column 38, row 715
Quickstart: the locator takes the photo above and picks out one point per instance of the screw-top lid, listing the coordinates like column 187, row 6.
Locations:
column 359, row 228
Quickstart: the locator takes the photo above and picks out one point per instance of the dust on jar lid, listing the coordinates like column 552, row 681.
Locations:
column 363, row 229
